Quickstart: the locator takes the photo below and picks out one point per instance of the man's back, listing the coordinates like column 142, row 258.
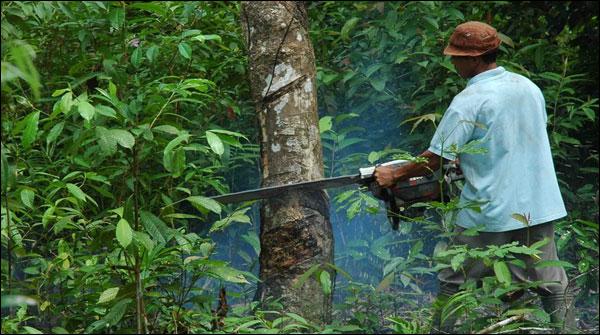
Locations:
column 506, row 113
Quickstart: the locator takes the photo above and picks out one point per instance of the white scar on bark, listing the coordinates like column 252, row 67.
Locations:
column 284, row 74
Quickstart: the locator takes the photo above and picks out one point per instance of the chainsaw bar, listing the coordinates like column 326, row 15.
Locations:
column 273, row 191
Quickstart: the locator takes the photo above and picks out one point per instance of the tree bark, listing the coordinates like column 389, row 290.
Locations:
column 295, row 231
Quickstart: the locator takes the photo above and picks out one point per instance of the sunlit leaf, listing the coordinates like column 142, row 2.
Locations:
column 27, row 197
column 185, row 50
column 124, row 233
column 201, row 202
column 521, row 218
column 108, row 295
column 215, row 143
column 86, row 110
column 502, row 273
column 76, row 191
column 123, row 137
column 325, row 124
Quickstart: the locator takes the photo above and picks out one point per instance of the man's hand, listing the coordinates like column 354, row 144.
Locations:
column 384, row 176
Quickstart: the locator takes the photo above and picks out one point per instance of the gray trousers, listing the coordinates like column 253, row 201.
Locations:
column 554, row 277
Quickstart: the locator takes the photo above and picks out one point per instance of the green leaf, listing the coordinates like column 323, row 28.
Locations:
column 86, row 110
column 521, row 218
column 27, row 197
column 202, row 203
column 298, row 317
column 22, row 55
column 60, row 92
column 300, row 281
column 552, row 263
column 502, row 273
column 59, row 330
column 167, row 129
column 108, row 144
column 116, row 312
column 373, row 157
column 5, row 171
column 228, row 132
column 237, row 216
column 31, row 330
column 124, row 233
column 432, row 22
column 372, row 69
column 123, row 137
column 378, row 83
column 116, row 17
column 55, row 132
column 154, row 226
column 66, row 102
column 229, row 274
column 325, row 124
column 325, row 280
column 112, row 88
column 108, row 295
column 590, row 113
column 456, row 13
column 176, row 141
column 185, row 50
column 143, row 239
column 152, row 53
column 215, row 143
column 209, row 37
column 156, row 8
column 11, row 300
column 386, row 282
column 76, row 191
column 347, row 28
column 106, row 111
column 178, row 162
column 506, row 40
column 31, row 129
column 136, row 57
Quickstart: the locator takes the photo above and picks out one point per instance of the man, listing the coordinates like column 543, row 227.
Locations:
column 505, row 113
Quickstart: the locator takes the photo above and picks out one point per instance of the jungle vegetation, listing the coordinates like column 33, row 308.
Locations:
column 121, row 119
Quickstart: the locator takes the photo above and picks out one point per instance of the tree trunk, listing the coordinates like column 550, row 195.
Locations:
column 295, row 229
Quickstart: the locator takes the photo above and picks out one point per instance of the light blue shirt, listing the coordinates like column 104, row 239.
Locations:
column 505, row 114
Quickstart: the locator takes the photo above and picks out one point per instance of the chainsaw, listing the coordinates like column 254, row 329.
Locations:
column 397, row 198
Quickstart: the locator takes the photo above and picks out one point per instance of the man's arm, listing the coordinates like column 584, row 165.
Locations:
column 387, row 176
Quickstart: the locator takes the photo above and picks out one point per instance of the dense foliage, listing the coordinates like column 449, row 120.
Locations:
column 120, row 118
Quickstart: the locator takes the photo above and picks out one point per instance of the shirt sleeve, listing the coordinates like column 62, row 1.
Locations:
column 454, row 131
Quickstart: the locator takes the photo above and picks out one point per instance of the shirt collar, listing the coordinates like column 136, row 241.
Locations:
column 486, row 74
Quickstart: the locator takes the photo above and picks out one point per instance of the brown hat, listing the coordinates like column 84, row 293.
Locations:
column 472, row 39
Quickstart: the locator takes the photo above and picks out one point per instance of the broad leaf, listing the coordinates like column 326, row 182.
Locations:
column 76, row 191
column 123, row 137
column 27, row 197
column 215, row 143
column 31, row 129
column 185, row 50
column 325, row 124
column 108, row 295
column 86, row 110
column 325, row 280
column 502, row 273
column 124, row 233
column 155, row 227
column 203, row 203
column 152, row 53
column 229, row 274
